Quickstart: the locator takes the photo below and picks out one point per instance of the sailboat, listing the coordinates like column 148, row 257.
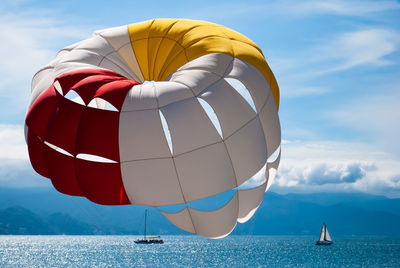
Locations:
column 324, row 238
column 148, row 239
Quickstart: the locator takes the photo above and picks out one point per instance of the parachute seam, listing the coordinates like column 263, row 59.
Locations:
column 176, row 41
column 148, row 49
column 204, row 146
column 119, row 66
column 220, row 77
column 158, row 36
column 233, row 51
column 137, row 62
column 222, row 37
column 162, row 39
column 196, row 41
column 210, row 85
column 183, row 195
column 226, row 147
column 156, row 95
column 210, row 71
column 107, row 54
column 165, row 67
column 203, row 69
column 176, row 171
column 183, row 49
column 216, row 208
column 141, row 110
column 159, row 110
column 217, row 26
column 118, row 49
column 223, row 139
column 247, row 89
column 75, row 146
column 230, row 160
column 250, row 44
column 190, row 88
column 124, row 44
column 144, row 159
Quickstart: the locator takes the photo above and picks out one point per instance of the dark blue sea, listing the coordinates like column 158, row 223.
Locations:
column 194, row 251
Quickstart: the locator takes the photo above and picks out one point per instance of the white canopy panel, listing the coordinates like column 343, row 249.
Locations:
column 232, row 110
column 205, row 172
column 270, row 123
column 151, row 182
column 141, row 136
column 247, row 150
column 249, row 201
column 212, row 224
column 216, row 63
column 118, row 38
column 252, row 78
column 272, row 168
column 189, row 126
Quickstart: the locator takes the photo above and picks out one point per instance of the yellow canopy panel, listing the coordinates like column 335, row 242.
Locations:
column 162, row 46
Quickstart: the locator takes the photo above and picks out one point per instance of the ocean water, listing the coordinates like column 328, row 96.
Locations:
column 194, row 251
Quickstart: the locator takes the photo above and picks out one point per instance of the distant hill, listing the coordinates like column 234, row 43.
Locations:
column 18, row 220
column 344, row 214
column 45, row 211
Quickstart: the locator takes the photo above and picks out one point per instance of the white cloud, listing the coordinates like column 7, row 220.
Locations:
column 341, row 52
column 348, row 8
column 30, row 39
column 337, row 167
column 12, row 143
column 15, row 169
column 358, row 48
column 295, row 92
column 373, row 48
column 292, row 9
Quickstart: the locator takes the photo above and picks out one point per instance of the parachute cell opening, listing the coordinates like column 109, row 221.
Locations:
column 242, row 90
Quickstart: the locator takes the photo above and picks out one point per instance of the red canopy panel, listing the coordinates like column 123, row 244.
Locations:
column 98, row 133
column 87, row 87
column 35, row 150
column 62, row 172
column 39, row 114
column 69, row 79
column 101, row 182
column 77, row 129
column 63, row 126
column 115, row 92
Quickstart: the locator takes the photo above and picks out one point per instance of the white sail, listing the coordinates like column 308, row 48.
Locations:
column 322, row 235
column 327, row 236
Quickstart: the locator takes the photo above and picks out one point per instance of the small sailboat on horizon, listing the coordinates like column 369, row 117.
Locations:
column 148, row 239
column 324, row 238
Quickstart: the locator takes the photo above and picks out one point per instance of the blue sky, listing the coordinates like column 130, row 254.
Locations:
column 336, row 62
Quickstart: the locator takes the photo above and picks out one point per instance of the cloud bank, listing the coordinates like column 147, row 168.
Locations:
column 329, row 166
column 31, row 40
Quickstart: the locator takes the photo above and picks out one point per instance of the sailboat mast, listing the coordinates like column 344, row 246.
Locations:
column 145, row 219
column 324, row 231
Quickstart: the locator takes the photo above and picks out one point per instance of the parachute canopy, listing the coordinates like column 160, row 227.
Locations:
column 157, row 113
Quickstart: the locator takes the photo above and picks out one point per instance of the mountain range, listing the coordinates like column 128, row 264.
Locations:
column 45, row 211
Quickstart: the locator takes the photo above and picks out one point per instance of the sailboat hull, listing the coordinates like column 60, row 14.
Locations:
column 150, row 241
column 323, row 243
